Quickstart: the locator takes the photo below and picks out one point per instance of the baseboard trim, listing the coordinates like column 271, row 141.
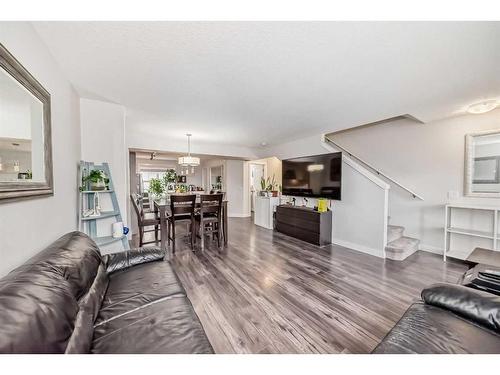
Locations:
column 431, row 249
column 361, row 248
column 237, row 215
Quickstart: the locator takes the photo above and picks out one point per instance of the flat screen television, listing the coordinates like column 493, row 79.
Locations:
column 317, row 176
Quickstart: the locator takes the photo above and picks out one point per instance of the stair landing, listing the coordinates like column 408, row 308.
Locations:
column 398, row 246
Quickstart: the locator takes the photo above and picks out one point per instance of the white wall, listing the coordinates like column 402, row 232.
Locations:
column 24, row 226
column 15, row 109
column 103, row 140
column 138, row 138
column 235, row 188
column 428, row 158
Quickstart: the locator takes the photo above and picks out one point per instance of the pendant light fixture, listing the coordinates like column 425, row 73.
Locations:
column 189, row 161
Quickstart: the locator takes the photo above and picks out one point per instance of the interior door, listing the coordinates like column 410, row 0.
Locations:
column 256, row 173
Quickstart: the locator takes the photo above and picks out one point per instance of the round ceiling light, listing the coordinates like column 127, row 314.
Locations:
column 482, row 107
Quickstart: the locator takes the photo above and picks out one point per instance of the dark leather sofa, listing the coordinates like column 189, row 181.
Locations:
column 70, row 299
column 450, row 319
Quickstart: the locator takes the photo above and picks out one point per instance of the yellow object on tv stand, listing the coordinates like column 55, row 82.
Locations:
column 322, row 205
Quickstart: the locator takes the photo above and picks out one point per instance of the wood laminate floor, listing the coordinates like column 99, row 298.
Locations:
column 269, row 293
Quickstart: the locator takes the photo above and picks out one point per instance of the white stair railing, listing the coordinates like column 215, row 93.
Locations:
column 371, row 167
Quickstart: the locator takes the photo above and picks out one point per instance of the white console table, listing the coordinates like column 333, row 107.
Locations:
column 264, row 210
column 491, row 235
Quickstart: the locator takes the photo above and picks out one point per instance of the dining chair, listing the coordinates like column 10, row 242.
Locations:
column 144, row 220
column 218, row 192
column 182, row 209
column 210, row 216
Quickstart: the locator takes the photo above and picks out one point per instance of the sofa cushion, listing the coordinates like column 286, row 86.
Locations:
column 478, row 306
column 125, row 259
column 168, row 325
column 37, row 313
column 39, row 299
column 433, row 330
column 74, row 256
column 89, row 305
column 133, row 287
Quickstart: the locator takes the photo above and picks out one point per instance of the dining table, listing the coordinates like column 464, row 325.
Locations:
column 162, row 207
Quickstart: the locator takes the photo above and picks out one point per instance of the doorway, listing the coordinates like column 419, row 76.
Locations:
column 257, row 172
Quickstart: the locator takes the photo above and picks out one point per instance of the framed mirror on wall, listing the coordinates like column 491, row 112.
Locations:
column 25, row 133
column 482, row 164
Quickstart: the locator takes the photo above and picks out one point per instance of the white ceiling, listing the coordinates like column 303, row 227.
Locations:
column 250, row 82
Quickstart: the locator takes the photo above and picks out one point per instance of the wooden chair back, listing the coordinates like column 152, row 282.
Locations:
column 211, row 203
column 139, row 211
column 182, row 204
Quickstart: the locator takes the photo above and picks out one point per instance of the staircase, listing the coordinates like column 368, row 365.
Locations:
column 398, row 246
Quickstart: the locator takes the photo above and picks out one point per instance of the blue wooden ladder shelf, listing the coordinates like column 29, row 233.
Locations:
column 88, row 225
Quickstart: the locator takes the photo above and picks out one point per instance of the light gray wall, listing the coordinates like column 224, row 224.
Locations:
column 28, row 226
column 235, row 192
column 103, row 140
column 428, row 158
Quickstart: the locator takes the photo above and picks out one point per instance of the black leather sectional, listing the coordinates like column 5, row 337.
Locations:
column 450, row 319
column 70, row 299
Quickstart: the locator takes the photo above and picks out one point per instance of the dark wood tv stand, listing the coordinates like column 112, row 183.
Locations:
column 305, row 224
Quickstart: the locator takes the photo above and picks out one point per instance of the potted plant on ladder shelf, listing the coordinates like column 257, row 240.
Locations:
column 97, row 180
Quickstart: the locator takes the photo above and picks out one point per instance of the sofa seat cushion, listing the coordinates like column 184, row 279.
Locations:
column 134, row 287
column 169, row 325
column 432, row 330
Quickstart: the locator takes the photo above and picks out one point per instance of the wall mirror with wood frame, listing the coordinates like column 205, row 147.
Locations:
column 25, row 136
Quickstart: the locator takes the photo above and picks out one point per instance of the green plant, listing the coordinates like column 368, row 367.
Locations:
column 156, row 187
column 271, row 184
column 170, row 176
column 95, row 176
column 262, row 183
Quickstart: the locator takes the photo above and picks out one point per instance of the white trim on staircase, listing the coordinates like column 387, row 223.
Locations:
column 386, row 218
column 327, row 140
column 357, row 167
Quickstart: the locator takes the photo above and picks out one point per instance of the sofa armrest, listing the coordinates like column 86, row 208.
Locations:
column 480, row 307
column 130, row 258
